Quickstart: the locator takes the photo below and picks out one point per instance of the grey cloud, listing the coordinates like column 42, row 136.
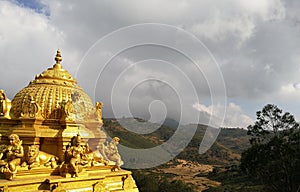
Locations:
column 256, row 44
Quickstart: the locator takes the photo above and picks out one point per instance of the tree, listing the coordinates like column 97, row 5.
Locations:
column 274, row 155
column 270, row 121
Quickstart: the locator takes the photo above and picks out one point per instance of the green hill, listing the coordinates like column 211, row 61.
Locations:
column 226, row 150
column 223, row 157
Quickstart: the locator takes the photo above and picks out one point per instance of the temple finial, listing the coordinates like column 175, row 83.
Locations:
column 58, row 59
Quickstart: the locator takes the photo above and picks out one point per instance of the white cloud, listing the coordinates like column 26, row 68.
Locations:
column 27, row 40
column 290, row 92
column 265, row 9
column 234, row 115
column 203, row 108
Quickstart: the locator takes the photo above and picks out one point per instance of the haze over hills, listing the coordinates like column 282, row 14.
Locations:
column 227, row 148
column 189, row 170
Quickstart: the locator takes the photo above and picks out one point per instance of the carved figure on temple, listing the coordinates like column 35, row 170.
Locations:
column 14, row 154
column 5, row 105
column 95, row 158
column 32, row 110
column 99, row 106
column 36, row 158
column 76, row 155
column 67, row 108
column 112, row 153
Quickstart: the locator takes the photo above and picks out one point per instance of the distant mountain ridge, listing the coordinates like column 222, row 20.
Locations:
column 170, row 123
column 226, row 150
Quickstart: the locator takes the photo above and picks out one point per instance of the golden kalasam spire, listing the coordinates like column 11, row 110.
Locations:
column 58, row 59
column 49, row 89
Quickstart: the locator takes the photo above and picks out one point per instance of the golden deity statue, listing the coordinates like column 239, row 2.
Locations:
column 99, row 106
column 5, row 105
column 14, row 154
column 77, row 155
column 51, row 139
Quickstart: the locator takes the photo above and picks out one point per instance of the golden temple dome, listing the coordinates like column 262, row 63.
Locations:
column 52, row 91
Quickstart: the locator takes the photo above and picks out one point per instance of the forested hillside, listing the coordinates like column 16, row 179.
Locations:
column 189, row 170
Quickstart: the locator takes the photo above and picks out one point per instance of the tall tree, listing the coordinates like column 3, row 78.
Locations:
column 270, row 122
column 274, row 155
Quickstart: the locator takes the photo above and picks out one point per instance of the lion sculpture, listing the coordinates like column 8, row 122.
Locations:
column 111, row 154
column 36, row 158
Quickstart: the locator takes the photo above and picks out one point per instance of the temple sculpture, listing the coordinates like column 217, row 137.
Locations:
column 5, row 105
column 112, row 154
column 51, row 139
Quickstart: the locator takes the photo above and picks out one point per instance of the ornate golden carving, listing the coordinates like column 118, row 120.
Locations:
column 100, row 187
column 76, row 155
column 112, row 154
column 68, row 111
column 5, row 105
column 36, row 158
column 45, row 114
column 14, row 154
column 128, row 182
column 49, row 90
column 99, row 106
column 95, row 158
column 31, row 109
column 56, row 74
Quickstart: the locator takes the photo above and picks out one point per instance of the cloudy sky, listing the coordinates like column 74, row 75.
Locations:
column 186, row 60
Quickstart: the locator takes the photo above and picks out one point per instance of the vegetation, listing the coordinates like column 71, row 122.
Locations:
column 274, row 155
column 223, row 153
column 233, row 180
column 269, row 162
column 148, row 181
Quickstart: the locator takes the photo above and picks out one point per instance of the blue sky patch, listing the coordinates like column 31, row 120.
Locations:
column 35, row 5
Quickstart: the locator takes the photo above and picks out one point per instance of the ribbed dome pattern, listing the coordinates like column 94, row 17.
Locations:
column 51, row 90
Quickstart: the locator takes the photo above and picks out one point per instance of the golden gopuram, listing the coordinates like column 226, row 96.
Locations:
column 51, row 139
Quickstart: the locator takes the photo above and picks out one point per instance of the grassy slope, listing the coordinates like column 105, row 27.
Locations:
column 225, row 152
